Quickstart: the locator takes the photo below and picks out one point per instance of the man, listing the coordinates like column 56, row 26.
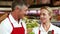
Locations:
column 14, row 24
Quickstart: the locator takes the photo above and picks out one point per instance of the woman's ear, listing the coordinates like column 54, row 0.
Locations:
column 50, row 17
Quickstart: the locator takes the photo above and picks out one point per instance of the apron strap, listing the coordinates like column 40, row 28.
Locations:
column 52, row 31
column 21, row 24
column 10, row 22
column 39, row 32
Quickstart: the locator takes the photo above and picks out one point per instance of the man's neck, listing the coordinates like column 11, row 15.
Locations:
column 15, row 16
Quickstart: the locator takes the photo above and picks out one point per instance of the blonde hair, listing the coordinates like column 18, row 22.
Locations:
column 49, row 10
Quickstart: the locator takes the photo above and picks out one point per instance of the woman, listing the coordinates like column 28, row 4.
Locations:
column 46, row 26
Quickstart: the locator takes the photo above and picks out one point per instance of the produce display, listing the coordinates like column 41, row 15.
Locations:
column 31, row 23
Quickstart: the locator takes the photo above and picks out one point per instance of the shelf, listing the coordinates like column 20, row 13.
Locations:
column 6, row 0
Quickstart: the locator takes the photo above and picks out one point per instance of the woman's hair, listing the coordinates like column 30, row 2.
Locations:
column 48, row 9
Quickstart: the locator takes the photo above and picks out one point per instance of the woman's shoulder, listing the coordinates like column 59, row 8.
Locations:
column 56, row 28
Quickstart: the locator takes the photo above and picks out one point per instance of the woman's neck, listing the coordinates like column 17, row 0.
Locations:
column 46, row 26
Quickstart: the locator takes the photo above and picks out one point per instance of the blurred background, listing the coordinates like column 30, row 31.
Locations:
column 32, row 15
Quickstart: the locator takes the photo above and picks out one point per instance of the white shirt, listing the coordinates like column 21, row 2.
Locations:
column 6, row 27
column 42, row 30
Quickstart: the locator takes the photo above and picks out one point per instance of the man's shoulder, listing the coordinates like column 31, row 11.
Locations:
column 6, row 26
column 5, row 20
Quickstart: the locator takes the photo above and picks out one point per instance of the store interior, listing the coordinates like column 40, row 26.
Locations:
column 32, row 15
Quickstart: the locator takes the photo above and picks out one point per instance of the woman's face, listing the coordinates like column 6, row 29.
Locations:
column 44, row 16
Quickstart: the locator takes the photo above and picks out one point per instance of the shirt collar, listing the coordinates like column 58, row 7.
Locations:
column 42, row 29
column 12, row 19
column 14, row 22
column 51, row 27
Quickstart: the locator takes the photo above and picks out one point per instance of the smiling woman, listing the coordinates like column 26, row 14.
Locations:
column 46, row 26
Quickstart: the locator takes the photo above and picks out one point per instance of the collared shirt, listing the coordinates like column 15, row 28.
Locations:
column 42, row 30
column 6, row 27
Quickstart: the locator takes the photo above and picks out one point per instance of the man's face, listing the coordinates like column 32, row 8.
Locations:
column 23, row 11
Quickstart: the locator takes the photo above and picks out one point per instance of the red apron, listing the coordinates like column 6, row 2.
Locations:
column 51, row 33
column 17, row 30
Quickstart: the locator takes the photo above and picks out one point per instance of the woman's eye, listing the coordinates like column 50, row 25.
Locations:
column 43, row 14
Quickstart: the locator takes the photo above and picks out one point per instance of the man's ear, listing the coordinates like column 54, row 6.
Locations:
column 17, row 8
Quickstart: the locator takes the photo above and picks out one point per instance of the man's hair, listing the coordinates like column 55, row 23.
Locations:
column 19, row 3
